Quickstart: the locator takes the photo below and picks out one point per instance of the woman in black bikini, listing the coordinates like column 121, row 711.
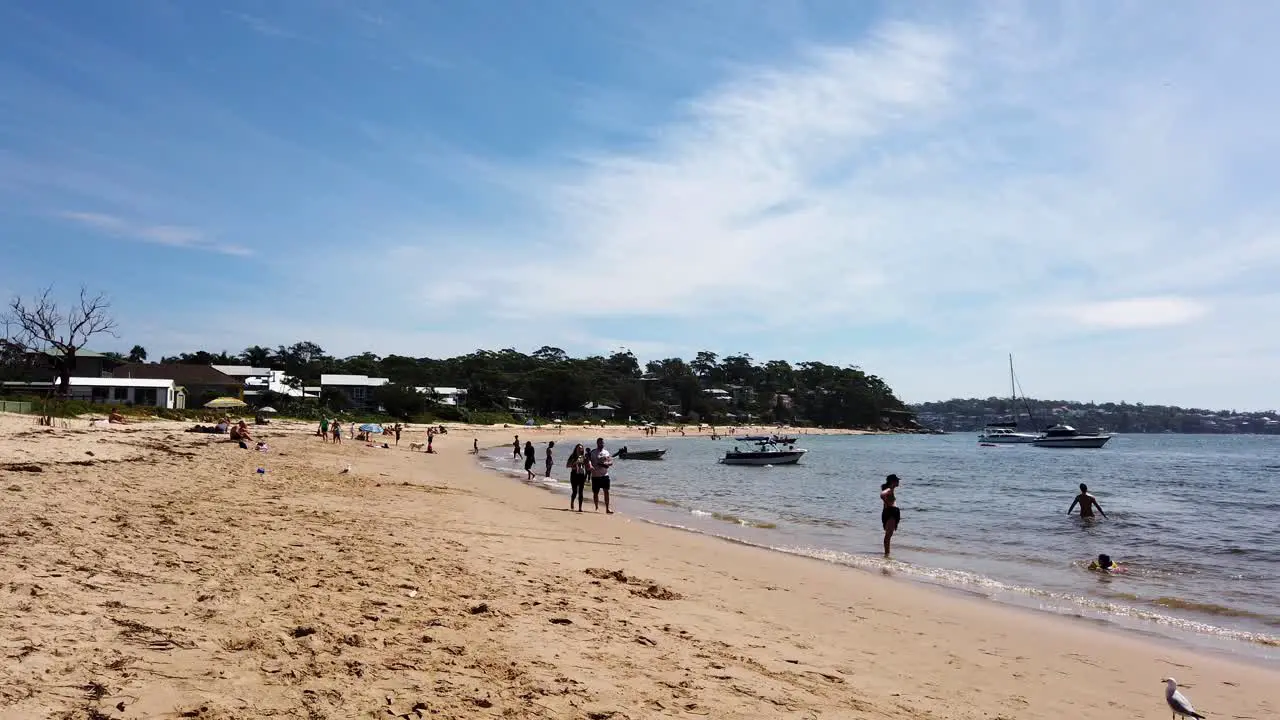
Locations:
column 890, row 515
column 577, row 475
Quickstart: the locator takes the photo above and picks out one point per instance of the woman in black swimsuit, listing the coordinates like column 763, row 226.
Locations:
column 890, row 515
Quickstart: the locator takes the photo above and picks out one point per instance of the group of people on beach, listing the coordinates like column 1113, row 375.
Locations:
column 582, row 464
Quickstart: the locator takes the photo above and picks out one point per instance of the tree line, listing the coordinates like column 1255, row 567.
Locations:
column 549, row 383
column 970, row 414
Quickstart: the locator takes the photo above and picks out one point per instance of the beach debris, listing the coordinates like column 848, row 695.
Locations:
column 479, row 609
column 645, row 641
column 412, row 593
column 1178, row 702
column 656, row 592
column 345, row 470
column 302, row 631
column 22, row 467
column 262, row 471
column 561, row 621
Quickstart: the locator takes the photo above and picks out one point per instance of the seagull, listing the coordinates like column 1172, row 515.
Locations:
column 1178, row 702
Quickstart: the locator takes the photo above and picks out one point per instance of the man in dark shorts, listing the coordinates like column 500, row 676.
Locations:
column 598, row 463
column 1087, row 503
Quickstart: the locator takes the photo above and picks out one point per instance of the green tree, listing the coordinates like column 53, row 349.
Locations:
column 138, row 354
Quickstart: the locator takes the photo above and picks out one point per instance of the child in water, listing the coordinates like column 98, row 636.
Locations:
column 1104, row 563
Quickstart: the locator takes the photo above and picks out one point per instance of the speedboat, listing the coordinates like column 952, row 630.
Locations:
column 1065, row 436
column 767, row 452
column 628, row 454
column 1005, row 434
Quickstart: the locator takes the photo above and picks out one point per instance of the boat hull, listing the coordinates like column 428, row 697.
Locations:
column 644, row 455
column 1081, row 441
column 781, row 457
column 1008, row 439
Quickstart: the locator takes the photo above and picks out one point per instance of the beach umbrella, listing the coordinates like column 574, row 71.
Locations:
column 267, row 409
column 225, row 403
column 371, row 428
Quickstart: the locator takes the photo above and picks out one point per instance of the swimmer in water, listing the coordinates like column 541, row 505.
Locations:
column 1104, row 563
column 1086, row 502
column 890, row 514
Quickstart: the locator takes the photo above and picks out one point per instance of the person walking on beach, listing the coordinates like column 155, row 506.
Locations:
column 1087, row 503
column 397, row 430
column 475, row 446
column 549, row 460
column 515, row 448
column 530, row 457
column 598, row 463
column 337, row 431
column 577, row 475
column 889, row 514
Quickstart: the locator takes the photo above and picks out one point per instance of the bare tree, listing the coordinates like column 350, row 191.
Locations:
column 42, row 326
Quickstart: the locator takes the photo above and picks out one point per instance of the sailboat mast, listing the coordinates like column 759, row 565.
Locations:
column 1013, row 391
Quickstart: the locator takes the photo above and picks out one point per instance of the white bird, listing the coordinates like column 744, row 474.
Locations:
column 1177, row 701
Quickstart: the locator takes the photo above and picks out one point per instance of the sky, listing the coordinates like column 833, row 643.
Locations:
column 918, row 189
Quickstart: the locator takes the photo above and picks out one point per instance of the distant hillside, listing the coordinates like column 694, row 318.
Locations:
column 971, row 414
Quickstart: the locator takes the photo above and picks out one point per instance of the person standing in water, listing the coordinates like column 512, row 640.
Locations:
column 1087, row 503
column 599, row 463
column 530, row 457
column 890, row 514
column 549, row 460
column 515, row 448
column 577, row 475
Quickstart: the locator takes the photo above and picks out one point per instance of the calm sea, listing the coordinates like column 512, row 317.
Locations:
column 1195, row 519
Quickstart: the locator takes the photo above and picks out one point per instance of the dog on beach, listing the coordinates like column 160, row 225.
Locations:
column 416, row 446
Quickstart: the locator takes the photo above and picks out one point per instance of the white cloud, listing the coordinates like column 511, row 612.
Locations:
column 169, row 235
column 1133, row 313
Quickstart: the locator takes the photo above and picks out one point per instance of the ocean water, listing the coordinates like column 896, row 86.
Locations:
column 1195, row 520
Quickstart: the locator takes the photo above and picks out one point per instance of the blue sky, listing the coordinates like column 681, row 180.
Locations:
column 916, row 188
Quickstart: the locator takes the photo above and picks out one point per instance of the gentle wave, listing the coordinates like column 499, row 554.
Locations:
column 973, row 583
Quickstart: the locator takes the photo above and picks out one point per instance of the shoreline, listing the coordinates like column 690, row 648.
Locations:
column 165, row 574
column 1171, row 630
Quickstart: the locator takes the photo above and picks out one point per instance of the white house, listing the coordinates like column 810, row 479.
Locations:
column 599, row 411
column 117, row 391
column 452, row 396
column 358, row 388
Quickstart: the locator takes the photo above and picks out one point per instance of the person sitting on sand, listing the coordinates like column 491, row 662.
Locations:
column 115, row 418
column 1086, row 502
column 241, row 432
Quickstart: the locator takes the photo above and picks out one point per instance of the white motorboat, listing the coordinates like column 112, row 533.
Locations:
column 1005, row 434
column 766, row 453
column 1065, row 436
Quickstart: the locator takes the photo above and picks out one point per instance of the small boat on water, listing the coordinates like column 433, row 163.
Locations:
column 1065, row 436
column 625, row 453
column 1005, row 433
column 767, row 452
column 775, row 439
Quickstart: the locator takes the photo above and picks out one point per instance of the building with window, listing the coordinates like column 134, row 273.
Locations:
column 358, row 389
column 201, row 382
column 113, row 391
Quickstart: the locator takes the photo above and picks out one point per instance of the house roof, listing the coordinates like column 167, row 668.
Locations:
column 99, row 382
column 353, row 380
column 178, row 372
column 241, row 370
column 81, row 353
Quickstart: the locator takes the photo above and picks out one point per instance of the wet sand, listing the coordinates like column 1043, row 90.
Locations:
column 154, row 573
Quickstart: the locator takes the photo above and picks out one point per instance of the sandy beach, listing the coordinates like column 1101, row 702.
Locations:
column 152, row 573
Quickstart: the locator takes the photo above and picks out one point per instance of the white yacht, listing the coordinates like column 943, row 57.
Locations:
column 1065, row 436
column 1005, row 434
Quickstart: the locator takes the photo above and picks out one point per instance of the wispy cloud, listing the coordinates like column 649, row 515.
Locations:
column 262, row 26
column 174, row 236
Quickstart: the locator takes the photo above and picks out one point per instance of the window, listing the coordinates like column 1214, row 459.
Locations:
column 144, row 396
column 119, row 394
column 98, row 394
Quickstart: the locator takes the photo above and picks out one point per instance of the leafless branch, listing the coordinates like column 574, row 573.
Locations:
column 41, row 324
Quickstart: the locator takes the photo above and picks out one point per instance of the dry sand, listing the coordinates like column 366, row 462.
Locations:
column 151, row 573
